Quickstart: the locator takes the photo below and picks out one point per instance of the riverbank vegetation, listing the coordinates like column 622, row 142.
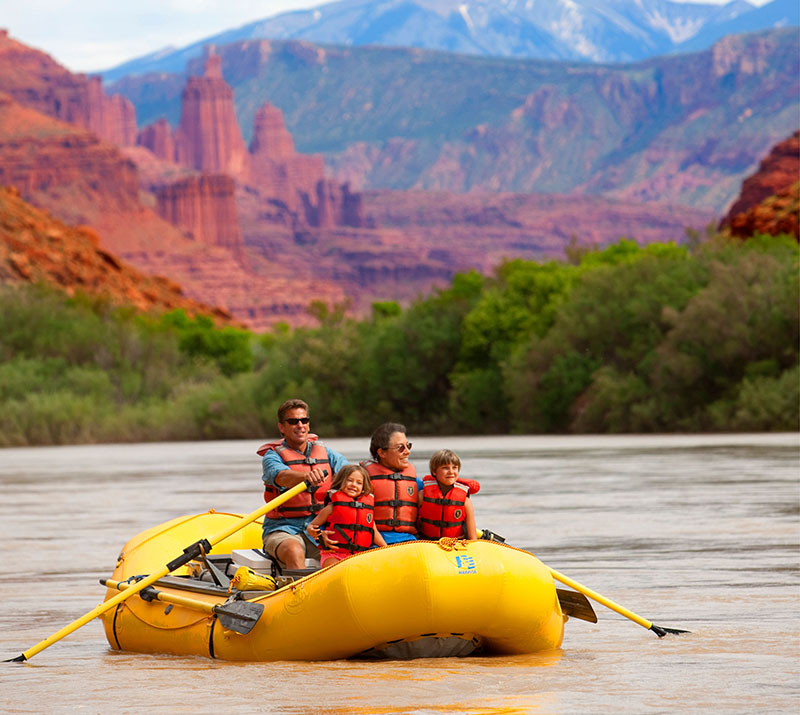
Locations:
column 662, row 338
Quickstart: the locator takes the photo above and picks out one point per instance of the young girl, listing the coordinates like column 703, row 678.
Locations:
column 351, row 521
column 445, row 508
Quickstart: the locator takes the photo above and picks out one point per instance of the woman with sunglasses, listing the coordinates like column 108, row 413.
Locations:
column 394, row 481
column 299, row 456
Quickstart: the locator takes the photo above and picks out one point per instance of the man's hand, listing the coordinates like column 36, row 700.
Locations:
column 317, row 476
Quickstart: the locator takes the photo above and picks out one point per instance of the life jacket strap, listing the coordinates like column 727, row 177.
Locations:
column 396, row 502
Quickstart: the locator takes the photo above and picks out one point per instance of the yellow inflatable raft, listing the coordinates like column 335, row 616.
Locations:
column 415, row 599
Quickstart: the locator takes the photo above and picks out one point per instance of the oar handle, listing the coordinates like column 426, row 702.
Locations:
column 160, row 573
column 161, row 596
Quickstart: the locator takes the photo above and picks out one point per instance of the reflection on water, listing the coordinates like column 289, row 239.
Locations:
column 697, row 532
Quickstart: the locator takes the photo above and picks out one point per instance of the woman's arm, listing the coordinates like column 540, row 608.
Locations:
column 377, row 538
column 469, row 520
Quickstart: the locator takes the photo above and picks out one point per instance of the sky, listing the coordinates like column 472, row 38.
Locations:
column 92, row 35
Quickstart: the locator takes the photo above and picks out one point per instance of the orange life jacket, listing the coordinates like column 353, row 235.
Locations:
column 442, row 515
column 395, row 497
column 312, row 499
column 353, row 521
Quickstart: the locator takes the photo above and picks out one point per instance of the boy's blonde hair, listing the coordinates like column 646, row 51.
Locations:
column 442, row 457
column 346, row 471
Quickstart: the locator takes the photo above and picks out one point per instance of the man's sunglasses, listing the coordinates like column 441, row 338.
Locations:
column 296, row 420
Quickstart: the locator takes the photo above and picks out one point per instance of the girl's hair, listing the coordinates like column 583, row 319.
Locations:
column 442, row 457
column 382, row 435
column 346, row 471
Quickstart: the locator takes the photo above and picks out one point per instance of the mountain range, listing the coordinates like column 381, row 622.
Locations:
column 256, row 228
column 681, row 129
column 576, row 30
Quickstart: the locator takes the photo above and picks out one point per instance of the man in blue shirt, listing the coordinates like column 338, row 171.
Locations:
column 298, row 457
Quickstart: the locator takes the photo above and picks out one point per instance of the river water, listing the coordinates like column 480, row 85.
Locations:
column 694, row 532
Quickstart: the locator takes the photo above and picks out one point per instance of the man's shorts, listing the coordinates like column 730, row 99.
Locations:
column 275, row 538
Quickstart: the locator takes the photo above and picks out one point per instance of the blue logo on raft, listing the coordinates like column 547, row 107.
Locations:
column 466, row 564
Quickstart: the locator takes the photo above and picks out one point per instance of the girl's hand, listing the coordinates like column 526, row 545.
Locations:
column 327, row 542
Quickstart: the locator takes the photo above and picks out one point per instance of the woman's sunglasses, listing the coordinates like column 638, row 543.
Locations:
column 296, row 420
column 401, row 448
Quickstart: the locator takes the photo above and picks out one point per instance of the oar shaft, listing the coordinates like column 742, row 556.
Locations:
column 97, row 611
column 152, row 578
column 175, row 598
column 607, row 602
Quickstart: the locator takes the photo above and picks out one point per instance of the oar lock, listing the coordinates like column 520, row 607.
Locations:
column 196, row 550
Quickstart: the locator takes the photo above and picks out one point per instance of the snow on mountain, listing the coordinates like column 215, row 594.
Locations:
column 583, row 30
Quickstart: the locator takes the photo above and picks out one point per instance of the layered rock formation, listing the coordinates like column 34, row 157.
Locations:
column 157, row 137
column 681, row 129
column 293, row 236
column 42, row 156
column 208, row 136
column 208, row 139
column 35, row 80
column 204, row 208
column 82, row 180
column 770, row 198
column 37, row 248
column 276, row 170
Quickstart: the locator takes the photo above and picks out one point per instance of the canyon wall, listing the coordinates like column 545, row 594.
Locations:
column 37, row 248
column 204, row 208
column 208, row 139
column 35, row 80
column 770, row 198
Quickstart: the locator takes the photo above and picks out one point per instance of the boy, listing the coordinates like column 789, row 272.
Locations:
column 445, row 508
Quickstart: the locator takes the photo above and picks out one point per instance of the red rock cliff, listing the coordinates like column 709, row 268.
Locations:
column 35, row 80
column 35, row 247
column 204, row 208
column 335, row 206
column 157, row 137
column 769, row 199
column 298, row 180
column 40, row 155
column 208, row 136
column 271, row 139
column 276, row 170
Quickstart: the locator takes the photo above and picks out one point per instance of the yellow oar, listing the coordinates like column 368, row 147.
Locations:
column 660, row 631
column 189, row 553
column 239, row 616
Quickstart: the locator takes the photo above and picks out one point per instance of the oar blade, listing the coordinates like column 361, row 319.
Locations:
column 661, row 631
column 239, row 616
column 576, row 605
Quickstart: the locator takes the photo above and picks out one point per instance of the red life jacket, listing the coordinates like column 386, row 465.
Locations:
column 312, row 499
column 442, row 515
column 395, row 497
column 352, row 520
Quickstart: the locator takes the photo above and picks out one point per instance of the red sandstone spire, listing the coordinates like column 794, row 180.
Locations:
column 271, row 139
column 157, row 137
column 208, row 136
